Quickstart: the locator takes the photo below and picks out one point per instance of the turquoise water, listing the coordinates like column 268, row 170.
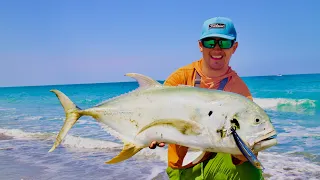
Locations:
column 30, row 117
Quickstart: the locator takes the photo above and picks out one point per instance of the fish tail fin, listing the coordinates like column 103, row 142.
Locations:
column 129, row 150
column 73, row 113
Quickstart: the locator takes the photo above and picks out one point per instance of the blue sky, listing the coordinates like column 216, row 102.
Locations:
column 63, row 42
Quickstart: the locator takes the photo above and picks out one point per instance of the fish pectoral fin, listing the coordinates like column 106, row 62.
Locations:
column 129, row 150
column 183, row 126
column 193, row 157
column 143, row 81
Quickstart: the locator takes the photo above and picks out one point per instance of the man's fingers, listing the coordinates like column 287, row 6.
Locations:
column 154, row 144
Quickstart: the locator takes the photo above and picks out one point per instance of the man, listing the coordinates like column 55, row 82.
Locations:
column 217, row 44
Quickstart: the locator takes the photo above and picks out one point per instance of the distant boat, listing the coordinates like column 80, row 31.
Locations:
column 279, row 75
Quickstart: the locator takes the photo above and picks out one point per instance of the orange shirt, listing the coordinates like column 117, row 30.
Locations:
column 186, row 76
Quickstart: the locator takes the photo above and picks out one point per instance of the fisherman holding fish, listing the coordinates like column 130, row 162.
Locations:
column 215, row 124
column 218, row 42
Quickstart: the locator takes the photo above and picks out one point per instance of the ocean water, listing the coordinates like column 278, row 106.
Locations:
column 30, row 118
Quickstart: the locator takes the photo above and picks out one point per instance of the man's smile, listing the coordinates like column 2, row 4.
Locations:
column 216, row 57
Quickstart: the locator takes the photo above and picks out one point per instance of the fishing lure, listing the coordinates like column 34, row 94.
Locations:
column 246, row 150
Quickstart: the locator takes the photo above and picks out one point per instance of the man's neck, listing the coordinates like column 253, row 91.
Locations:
column 211, row 73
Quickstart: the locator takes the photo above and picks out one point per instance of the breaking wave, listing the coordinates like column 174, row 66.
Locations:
column 288, row 105
column 69, row 141
column 19, row 134
column 75, row 143
column 278, row 166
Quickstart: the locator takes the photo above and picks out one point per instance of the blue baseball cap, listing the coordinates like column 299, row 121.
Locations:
column 219, row 27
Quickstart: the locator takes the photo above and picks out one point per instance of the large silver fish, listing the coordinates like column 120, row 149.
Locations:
column 198, row 118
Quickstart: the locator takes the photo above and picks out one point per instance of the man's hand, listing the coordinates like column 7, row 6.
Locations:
column 240, row 157
column 154, row 144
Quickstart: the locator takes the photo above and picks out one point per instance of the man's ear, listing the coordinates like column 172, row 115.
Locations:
column 234, row 47
column 200, row 46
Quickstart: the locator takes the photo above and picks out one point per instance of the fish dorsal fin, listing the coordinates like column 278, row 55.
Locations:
column 144, row 81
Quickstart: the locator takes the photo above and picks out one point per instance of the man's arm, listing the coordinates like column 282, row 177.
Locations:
column 238, row 86
column 174, row 79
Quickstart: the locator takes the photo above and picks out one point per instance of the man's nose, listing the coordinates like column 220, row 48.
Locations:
column 216, row 48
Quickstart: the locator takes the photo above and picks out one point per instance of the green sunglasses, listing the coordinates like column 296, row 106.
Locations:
column 211, row 43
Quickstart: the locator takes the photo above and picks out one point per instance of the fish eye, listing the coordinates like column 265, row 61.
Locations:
column 258, row 120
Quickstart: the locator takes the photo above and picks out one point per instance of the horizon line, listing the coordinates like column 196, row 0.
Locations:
column 114, row 82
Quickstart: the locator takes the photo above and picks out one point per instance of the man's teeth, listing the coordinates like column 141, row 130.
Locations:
column 217, row 57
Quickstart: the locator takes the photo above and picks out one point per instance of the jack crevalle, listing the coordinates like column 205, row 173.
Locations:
column 198, row 118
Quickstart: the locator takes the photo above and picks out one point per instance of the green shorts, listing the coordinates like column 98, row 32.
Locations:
column 218, row 167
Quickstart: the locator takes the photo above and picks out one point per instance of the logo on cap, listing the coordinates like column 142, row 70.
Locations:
column 216, row 25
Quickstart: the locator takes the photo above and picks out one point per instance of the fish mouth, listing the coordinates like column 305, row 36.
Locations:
column 265, row 141
column 271, row 135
